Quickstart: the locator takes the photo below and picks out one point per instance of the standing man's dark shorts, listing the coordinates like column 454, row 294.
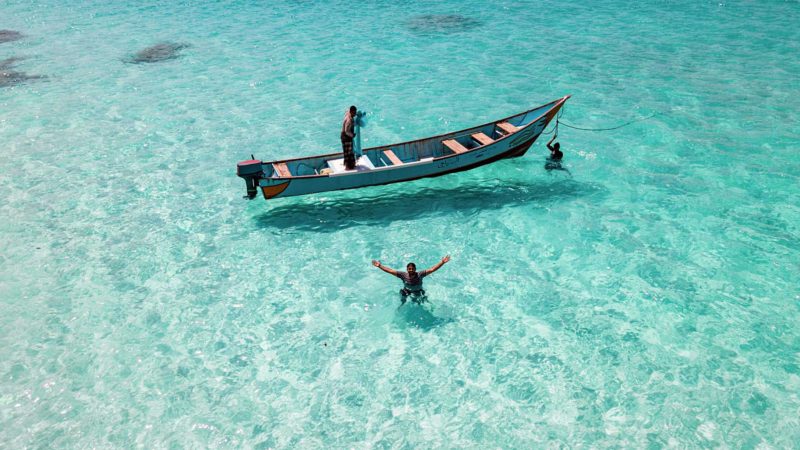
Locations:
column 347, row 149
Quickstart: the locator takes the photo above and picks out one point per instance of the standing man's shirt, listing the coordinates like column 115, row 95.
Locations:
column 412, row 283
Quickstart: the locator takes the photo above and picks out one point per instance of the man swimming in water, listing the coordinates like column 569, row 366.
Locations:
column 554, row 161
column 412, row 280
column 555, row 150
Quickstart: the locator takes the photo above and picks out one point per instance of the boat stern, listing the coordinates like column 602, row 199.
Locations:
column 251, row 171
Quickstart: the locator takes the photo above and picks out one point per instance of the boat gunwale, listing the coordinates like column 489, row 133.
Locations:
column 480, row 147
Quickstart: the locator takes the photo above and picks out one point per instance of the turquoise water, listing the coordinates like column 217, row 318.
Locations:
column 648, row 300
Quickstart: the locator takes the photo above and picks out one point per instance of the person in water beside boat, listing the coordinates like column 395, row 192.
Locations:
column 412, row 280
column 347, row 135
column 554, row 160
column 555, row 149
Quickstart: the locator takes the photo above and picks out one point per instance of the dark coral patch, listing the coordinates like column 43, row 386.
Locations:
column 10, row 35
column 441, row 23
column 10, row 77
column 162, row 51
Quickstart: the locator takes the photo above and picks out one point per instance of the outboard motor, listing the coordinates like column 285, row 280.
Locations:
column 251, row 171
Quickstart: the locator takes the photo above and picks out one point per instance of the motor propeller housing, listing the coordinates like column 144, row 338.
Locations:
column 251, row 170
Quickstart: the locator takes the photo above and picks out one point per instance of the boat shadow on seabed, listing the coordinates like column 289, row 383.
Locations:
column 333, row 214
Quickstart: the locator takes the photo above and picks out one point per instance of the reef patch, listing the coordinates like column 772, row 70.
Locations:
column 163, row 51
column 441, row 23
column 10, row 35
column 10, row 77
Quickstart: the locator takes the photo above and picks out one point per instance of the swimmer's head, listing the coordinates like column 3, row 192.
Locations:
column 556, row 146
column 411, row 268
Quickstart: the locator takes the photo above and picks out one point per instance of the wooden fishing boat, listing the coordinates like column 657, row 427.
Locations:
column 430, row 157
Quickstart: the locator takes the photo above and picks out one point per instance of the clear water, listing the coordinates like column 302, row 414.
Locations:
column 650, row 299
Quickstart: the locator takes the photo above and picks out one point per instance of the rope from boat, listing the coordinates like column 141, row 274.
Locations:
column 560, row 122
column 611, row 128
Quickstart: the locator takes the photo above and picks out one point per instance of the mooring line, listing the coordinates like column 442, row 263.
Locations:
column 560, row 122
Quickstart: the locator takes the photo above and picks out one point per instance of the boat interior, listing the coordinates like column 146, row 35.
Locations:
column 413, row 152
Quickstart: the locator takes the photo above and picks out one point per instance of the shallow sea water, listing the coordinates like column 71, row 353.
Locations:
column 647, row 299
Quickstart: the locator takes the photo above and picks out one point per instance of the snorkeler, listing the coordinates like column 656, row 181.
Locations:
column 412, row 280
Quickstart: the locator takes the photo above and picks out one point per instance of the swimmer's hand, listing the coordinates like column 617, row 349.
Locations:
column 439, row 264
column 378, row 264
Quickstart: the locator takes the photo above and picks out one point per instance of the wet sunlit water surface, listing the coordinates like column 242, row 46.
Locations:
column 647, row 298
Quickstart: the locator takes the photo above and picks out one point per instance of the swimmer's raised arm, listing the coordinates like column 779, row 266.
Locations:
column 378, row 264
column 551, row 141
column 439, row 264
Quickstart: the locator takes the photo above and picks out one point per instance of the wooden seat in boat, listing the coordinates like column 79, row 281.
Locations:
column 282, row 170
column 453, row 145
column 482, row 139
column 507, row 127
column 392, row 157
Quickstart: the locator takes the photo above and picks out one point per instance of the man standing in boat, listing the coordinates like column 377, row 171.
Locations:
column 348, row 134
column 412, row 280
